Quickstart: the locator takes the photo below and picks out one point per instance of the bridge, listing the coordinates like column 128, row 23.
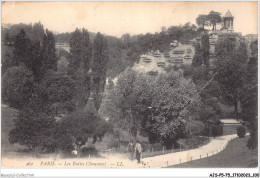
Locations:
column 65, row 46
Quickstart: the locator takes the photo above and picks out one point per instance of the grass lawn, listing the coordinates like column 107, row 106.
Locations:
column 236, row 155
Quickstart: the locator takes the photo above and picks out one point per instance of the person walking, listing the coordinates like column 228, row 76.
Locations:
column 130, row 149
column 138, row 151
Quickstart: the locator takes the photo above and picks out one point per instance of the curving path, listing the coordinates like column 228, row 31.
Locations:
column 215, row 146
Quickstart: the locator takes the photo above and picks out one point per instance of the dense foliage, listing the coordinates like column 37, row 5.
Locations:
column 249, row 98
column 231, row 71
column 213, row 18
column 64, row 97
column 51, row 102
column 159, row 108
column 17, row 86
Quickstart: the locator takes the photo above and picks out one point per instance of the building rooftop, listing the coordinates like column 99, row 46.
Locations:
column 230, row 121
column 228, row 14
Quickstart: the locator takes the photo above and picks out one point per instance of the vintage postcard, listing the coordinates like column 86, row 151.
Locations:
column 129, row 85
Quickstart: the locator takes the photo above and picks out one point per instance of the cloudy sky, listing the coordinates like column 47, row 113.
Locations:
column 117, row 18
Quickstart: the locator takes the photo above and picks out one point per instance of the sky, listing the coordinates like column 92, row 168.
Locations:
column 117, row 18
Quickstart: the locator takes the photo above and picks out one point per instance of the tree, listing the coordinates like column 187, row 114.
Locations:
column 17, row 86
column 49, row 61
column 163, row 29
column 214, row 18
column 158, row 107
column 80, row 64
column 201, row 20
column 99, row 66
column 58, row 92
column 34, row 60
column 21, row 44
column 249, row 102
column 34, row 32
column 83, row 77
column 30, row 54
column 173, row 107
column 117, row 103
column 201, row 57
column 254, row 48
column 31, row 126
column 6, row 39
column 230, row 70
column 37, row 33
column 80, row 126
column 7, row 58
column 75, row 51
column 126, row 40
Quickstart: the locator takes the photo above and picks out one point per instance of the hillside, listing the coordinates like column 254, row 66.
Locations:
column 174, row 56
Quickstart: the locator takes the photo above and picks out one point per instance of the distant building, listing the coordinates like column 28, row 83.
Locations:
column 228, row 21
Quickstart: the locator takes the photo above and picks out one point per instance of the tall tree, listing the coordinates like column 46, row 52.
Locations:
column 99, row 66
column 75, row 51
column 49, row 61
column 80, row 64
column 230, row 71
column 84, row 78
column 35, row 60
column 201, row 56
column 37, row 33
column 249, row 101
column 21, row 44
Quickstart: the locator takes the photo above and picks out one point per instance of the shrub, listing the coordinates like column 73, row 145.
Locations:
column 213, row 129
column 195, row 141
column 217, row 130
column 241, row 131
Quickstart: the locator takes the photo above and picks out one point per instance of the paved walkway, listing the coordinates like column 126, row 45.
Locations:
column 121, row 160
column 215, row 146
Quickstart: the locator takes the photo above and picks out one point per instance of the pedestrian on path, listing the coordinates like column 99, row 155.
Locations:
column 130, row 150
column 138, row 151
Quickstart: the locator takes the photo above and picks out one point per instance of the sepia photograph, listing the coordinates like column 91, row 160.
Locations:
column 163, row 84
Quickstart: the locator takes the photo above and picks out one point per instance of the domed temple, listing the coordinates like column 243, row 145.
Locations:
column 228, row 21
